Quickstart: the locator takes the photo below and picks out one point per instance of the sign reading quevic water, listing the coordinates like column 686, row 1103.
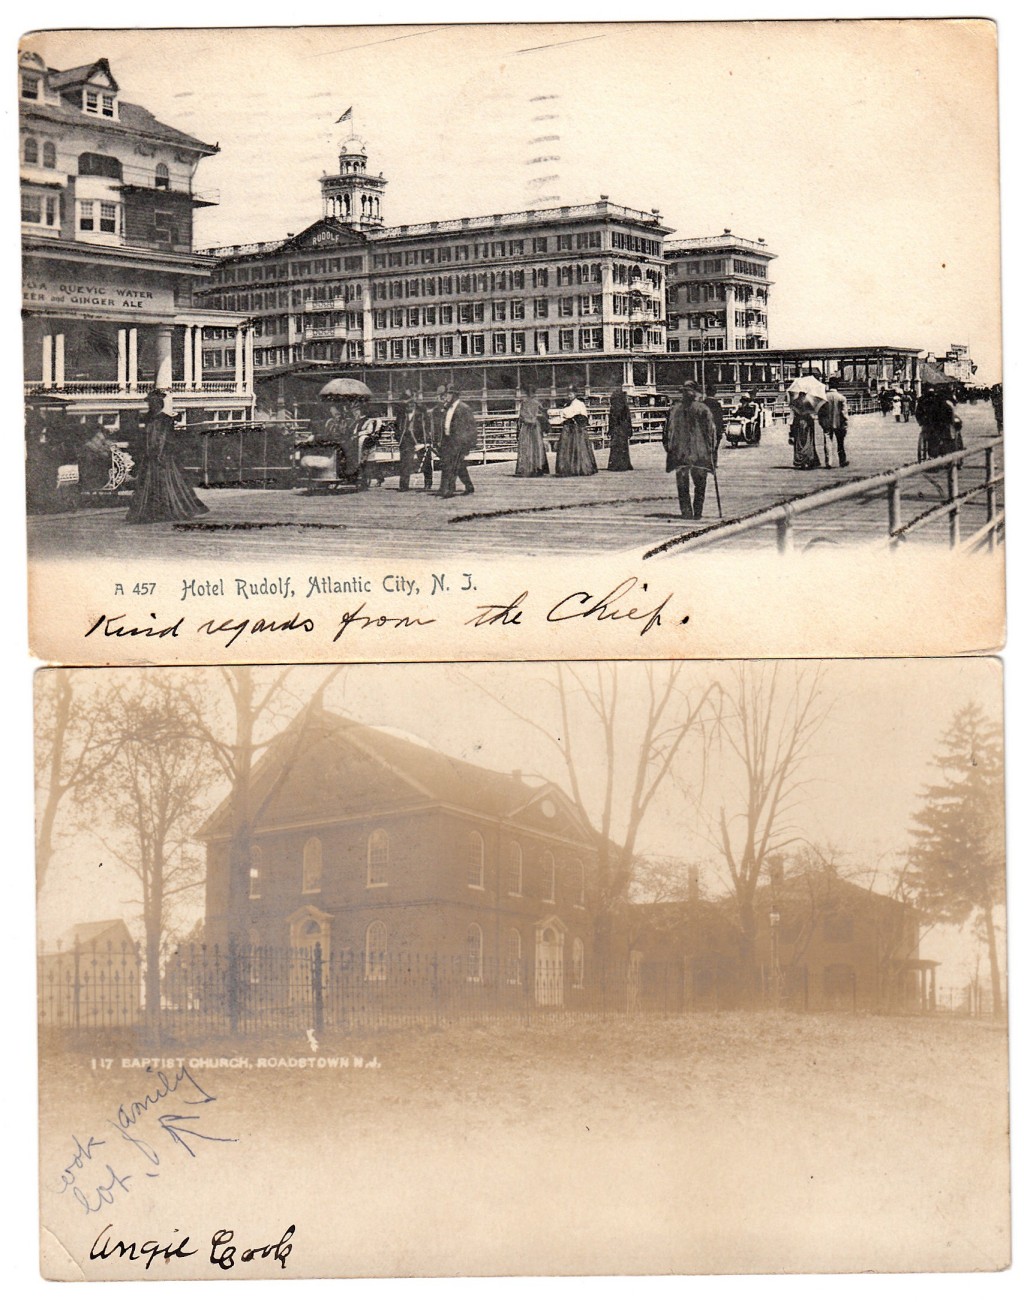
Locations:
column 92, row 295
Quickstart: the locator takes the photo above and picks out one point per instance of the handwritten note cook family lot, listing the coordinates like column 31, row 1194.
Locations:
column 162, row 1124
column 473, row 608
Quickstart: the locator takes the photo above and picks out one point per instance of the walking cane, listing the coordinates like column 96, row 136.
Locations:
column 718, row 495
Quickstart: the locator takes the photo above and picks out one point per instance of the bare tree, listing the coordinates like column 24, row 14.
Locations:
column 259, row 705
column 768, row 717
column 618, row 734
column 150, row 794
column 70, row 749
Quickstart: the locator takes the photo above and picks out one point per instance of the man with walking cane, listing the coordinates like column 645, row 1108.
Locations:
column 692, row 450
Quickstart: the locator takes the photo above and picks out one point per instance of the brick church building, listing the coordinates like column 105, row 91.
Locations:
column 382, row 851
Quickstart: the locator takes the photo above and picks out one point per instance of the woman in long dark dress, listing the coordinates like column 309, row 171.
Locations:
column 532, row 456
column 620, row 431
column 801, row 434
column 575, row 456
column 162, row 493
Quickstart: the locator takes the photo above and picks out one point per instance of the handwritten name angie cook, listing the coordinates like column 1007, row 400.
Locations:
column 224, row 1252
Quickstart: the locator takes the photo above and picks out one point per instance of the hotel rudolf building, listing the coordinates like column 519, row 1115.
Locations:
column 501, row 300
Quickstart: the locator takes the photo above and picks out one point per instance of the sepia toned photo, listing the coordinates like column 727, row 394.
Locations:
column 534, row 969
column 291, row 295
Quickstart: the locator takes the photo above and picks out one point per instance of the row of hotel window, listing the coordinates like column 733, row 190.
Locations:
column 378, row 866
column 375, row 958
column 716, row 320
column 714, row 292
column 516, row 248
column 89, row 164
column 585, row 340
column 493, row 282
column 92, row 214
column 302, row 268
column 441, row 346
column 488, row 249
column 725, row 266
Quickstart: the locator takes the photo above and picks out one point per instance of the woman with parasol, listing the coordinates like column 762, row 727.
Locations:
column 806, row 396
column 348, row 429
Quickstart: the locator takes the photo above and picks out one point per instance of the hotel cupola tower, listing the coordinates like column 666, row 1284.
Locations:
column 352, row 195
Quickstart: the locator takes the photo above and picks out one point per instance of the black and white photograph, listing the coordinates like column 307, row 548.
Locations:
column 522, row 969
column 292, row 295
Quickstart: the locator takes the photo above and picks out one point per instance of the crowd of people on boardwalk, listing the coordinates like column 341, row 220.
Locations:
column 442, row 433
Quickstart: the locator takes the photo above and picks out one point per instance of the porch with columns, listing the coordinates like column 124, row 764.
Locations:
column 113, row 359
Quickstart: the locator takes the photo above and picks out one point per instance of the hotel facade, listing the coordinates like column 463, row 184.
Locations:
column 109, row 271
column 501, row 298
column 594, row 295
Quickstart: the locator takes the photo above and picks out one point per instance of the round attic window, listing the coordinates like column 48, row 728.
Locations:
column 547, row 807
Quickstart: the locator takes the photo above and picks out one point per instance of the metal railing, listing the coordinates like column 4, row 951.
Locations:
column 785, row 515
column 259, row 991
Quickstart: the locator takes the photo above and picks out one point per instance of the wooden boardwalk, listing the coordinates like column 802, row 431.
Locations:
column 507, row 516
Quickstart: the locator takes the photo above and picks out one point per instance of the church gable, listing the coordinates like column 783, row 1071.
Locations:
column 549, row 813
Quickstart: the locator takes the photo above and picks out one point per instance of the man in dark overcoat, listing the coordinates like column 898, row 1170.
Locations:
column 458, row 437
column 409, row 431
column 691, row 446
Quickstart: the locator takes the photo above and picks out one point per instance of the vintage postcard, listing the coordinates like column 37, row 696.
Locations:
column 520, row 969
column 704, row 316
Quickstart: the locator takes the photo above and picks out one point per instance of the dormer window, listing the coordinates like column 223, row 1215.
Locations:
column 97, row 102
column 30, row 85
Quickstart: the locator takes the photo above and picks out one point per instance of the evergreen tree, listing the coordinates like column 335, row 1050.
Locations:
column 957, row 855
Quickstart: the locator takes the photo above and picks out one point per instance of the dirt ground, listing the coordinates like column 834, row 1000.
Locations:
column 709, row 1143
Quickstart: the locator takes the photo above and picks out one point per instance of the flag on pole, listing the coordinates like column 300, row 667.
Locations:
column 345, row 116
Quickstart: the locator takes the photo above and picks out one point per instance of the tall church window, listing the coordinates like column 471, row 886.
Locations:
column 375, row 960
column 475, row 861
column 514, row 967
column 378, row 858
column 312, row 865
column 547, row 868
column 515, row 869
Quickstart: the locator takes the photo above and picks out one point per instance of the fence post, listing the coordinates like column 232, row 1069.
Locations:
column 76, row 988
column 895, row 522
column 317, row 975
column 990, row 494
column 232, row 985
column 954, row 514
column 784, row 533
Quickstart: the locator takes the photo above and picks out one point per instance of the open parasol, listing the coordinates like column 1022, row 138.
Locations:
column 806, row 393
column 345, row 389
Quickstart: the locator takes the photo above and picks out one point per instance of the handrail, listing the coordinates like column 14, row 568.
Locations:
column 784, row 514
